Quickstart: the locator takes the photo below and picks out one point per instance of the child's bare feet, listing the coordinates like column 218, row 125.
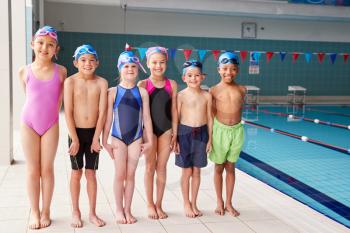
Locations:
column 45, row 220
column 93, row 218
column 161, row 213
column 196, row 211
column 34, row 222
column 152, row 213
column 232, row 211
column 220, row 208
column 121, row 217
column 188, row 211
column 76, row 220
column 130, row 218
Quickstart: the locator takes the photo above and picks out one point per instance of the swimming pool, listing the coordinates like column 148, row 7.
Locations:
column 316, row 175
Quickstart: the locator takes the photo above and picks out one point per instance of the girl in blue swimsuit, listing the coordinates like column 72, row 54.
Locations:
column 128, row 113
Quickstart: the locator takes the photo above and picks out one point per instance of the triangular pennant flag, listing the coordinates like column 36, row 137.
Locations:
column 346, row 57
column 268, row 56
column 127, row 47
column 283, row 55
column 243, row 55
column 333, row 56
column 307, row 57
column 320, row 57
column 172, row 53
column 201, row 54
column 187, row 53
column 216, row 54
column 295, row 56
column 256, row 56
column 142, row 52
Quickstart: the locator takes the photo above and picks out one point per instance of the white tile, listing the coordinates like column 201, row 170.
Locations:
column 270, row 226
column 187, row 228
column 13, row 226
column 229, row 227
column 13, row 213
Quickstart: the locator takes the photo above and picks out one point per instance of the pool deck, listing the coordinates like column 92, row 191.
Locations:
column 263, row 209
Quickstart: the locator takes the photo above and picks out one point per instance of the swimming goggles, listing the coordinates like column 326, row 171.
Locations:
column 127, row 58
column 229, row 61
column 192, row 63
column 84, row 49
column 47, row 31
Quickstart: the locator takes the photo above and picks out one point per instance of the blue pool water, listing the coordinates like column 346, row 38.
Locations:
column 315, row 175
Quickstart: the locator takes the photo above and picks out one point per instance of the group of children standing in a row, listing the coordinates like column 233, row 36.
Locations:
column 148, row 118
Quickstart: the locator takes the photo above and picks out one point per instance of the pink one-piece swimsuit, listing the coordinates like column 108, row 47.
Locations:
column 40, row 111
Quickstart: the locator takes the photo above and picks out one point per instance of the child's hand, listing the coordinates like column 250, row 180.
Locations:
column 95, row 146
column 173, row 143
column 74, row 148
column 209, row 146
column 109, row 149
column 146, row 147
column 177, row 149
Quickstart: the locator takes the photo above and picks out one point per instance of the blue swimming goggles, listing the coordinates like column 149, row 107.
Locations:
column 84, row 49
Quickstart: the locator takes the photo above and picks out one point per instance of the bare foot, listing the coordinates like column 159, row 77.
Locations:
column 96, row 220
column 130, row 218
column 34, row 222
column 152, row 213
column 76, row 220
column 121, row 217
column 45, row 220
column 220, row 208
column 188, row 211
column 232, row 210
column 161, row 213
column 196, row 211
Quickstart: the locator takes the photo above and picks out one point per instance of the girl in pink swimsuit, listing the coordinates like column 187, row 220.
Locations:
column 42, row 81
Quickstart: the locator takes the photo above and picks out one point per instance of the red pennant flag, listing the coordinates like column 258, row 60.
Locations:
column 127, row 47
column 269, row 56
column 295, row 56
column 243, row 55
column 346, row 57
column 187, row 53
column 216, row 54
column 320, row 57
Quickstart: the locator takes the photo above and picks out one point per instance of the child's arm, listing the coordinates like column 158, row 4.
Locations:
column 68, row 111
column 63, row 76
column 210, row 121
column 108, row 123
column 213, row 103
column 95, row 146
column 22, row 77
column 174, row 114
column 178, row 111
column 147, row 121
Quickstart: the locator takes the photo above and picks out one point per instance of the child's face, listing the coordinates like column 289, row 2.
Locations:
column 157, row 64
column 129, row 72
column 193, row 77
column 86, row 64
column 228, row 72
column 44, row 47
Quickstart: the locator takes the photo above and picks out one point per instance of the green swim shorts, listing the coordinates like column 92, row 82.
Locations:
column 227, row 142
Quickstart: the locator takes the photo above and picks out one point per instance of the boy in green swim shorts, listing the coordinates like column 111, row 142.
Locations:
column 228, row 133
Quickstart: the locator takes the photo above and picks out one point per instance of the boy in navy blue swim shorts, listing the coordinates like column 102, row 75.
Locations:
column 194, row 133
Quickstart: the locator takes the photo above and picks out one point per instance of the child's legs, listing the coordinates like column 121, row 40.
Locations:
column 91, row 187
column 149, row 172
column 230, row 181
column 31, row 148
column 120, row 161
column 75, row 188
column 49, row 142
column 219, row 168
column 134, row 151
column 195, row 183
column 185, row 184
column 163, row 153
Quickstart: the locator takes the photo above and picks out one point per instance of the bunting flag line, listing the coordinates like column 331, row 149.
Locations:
column 243, row 54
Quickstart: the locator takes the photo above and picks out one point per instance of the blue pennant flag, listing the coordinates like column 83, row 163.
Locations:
column 172, row 53
column 142, row 52
column 283, row 55
column 256, row 56
column 333, row 57
column 201, row 54
column 307, row 57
